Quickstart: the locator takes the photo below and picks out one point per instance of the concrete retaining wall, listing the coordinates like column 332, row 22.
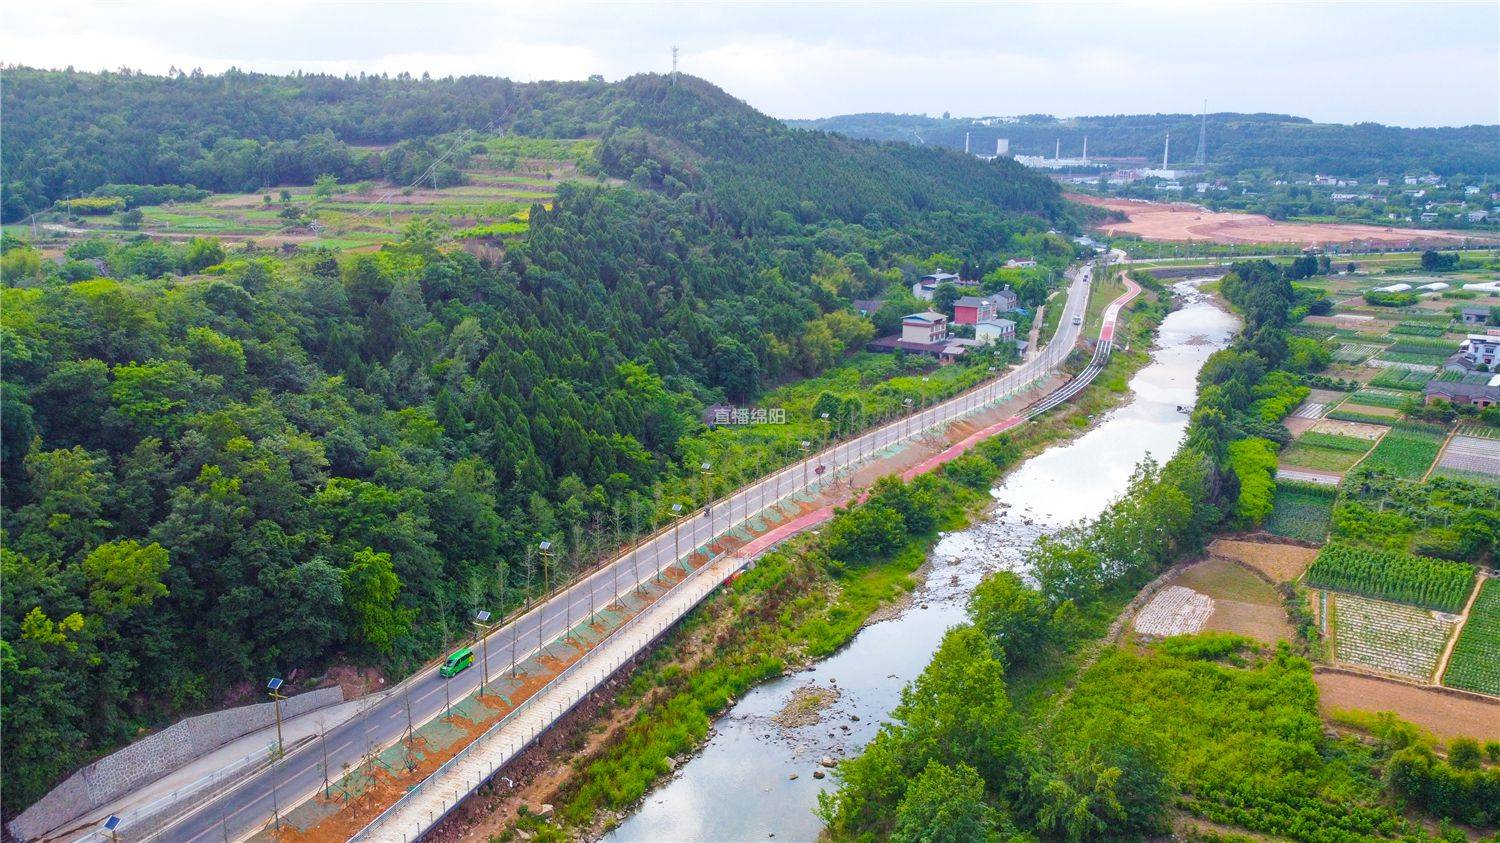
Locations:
column 150, row 758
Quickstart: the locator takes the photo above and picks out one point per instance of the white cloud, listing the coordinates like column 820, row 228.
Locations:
column 1414, row 64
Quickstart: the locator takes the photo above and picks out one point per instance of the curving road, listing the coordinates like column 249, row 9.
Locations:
column 251, row 804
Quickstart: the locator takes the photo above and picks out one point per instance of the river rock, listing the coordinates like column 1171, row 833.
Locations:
column 792, row 777
column 827, row 761
column 545, row 811
column 817, row 774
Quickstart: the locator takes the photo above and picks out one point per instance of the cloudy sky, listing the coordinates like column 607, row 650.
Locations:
column 1413, row 63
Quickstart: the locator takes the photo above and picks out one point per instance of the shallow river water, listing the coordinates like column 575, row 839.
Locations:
column 740, row 787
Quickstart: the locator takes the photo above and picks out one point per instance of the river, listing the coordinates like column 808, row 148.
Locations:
column 741, row 786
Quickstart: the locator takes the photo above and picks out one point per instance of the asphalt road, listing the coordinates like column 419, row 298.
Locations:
column 251, row 805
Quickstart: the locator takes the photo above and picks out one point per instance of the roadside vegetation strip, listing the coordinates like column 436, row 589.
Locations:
column 1475, row 662
column 1422, row 581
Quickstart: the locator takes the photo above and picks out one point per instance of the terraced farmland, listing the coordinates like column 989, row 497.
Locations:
column 1475, row 663
column 1389, row 637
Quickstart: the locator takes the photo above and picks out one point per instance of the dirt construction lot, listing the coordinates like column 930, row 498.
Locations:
column 1183, row 221
column 1280, row 562
column 1445, row 715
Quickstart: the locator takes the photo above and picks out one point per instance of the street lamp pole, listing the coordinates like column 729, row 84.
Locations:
column 274, row 689
column 806, row 447
column 481, row 620
column 541, row 614
column 706, row 470
column 676, row 538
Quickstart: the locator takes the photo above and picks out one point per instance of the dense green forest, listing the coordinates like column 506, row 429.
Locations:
column 222, row 463
column 70, row 133
column 1236, row 142
column 1213, row 725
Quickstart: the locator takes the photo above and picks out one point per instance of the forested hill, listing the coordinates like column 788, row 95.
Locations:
column 1236, row 142
column 68, row 133
column 223, row 462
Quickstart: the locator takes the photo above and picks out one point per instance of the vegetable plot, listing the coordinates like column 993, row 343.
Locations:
column 1389, row 575
column 1475, row 663
column 1389, row 637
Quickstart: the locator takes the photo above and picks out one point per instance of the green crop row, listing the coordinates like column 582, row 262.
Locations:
column 1475, row 663
column 1390, row 575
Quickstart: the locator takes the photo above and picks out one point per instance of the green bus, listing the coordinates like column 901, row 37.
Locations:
column 460, row 661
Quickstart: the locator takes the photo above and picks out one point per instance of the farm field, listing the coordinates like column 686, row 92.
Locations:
column 1474, row 664
column 1243, row 602
column 1444, row 714
column 500, row 179
column 1421, row 581
column 1174, row 610
column 1407, row 451
column 1301, row 510
column 1280, row 562
column 1357, row 430
column 1388, row 637
column 1320, row 459
column 1472, row 455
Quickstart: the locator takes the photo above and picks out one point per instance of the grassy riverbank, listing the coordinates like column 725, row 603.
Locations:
column 799, row 604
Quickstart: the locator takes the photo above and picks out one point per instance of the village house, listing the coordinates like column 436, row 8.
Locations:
column 925, row 333
column 926, row 327
column 928, row 284
column 1476, row 350
column 1005, row 300
column 1480, row 395
column 971, row 310
column 1475, row 315
column 995, row 330
column 1021, row 263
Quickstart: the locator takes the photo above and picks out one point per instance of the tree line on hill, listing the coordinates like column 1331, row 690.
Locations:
column 70, row 133
column 222, row 464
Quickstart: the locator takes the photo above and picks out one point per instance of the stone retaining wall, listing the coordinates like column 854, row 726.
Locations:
column 152, row 757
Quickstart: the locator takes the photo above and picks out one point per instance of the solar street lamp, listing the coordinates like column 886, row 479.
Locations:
column 273, row 688
column 111, row 825
column 676, row 537
column 481, row 623
column 541, row 615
